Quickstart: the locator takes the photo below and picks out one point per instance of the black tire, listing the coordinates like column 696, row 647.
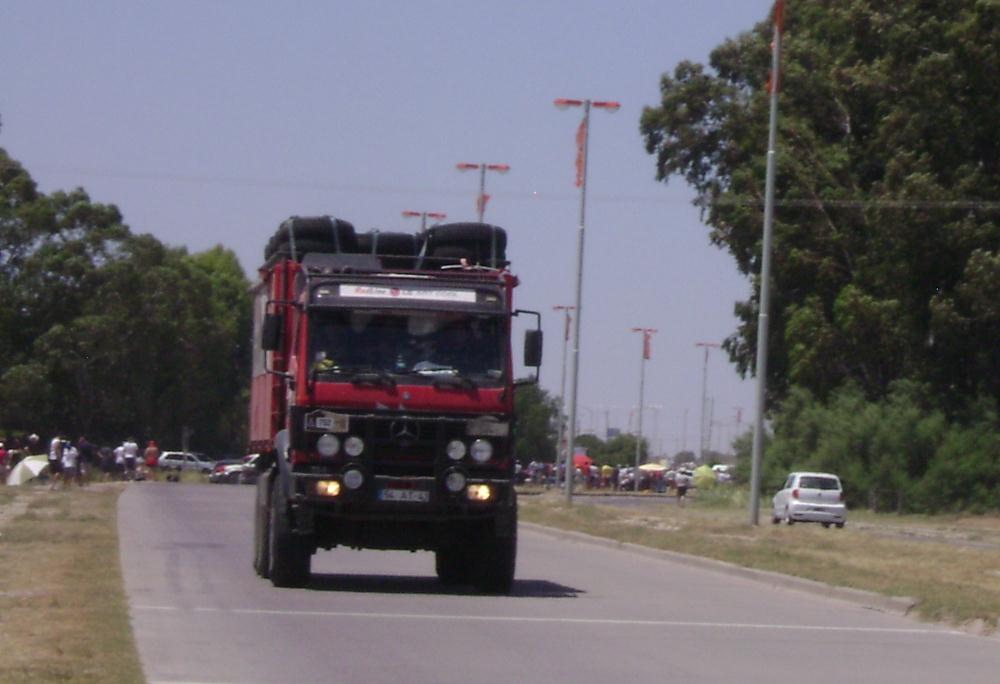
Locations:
column 840, row 525
column 261, row 530
column 448, row 243
column 289, row 556
column 323, row 228
column 826, row 526
column 302, row 247
column 453, row 565
column 496, row 558
column 312, row 234
column 775, row 519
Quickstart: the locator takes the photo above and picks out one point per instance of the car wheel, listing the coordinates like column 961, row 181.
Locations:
column 775, row 519
column 826, row 526
column 840, row 525
column 788, row 518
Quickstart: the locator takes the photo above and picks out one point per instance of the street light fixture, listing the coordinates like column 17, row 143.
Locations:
column 647, row 333
column 582, row 138
column 437, row 216
column 482, row 168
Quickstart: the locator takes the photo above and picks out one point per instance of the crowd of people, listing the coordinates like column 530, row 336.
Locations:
column 78, row 462
column 614, row 478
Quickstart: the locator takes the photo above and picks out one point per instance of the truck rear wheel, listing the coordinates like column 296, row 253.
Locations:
column 289, row 556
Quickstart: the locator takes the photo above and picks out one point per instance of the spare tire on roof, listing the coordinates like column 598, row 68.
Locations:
column 335, row 235
column 397, row 250
column 302, row 247
column 449, row 243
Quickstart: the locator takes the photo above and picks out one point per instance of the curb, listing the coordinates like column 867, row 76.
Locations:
column 897, row 605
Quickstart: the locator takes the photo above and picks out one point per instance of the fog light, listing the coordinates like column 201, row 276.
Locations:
column 353, row 446
column 327, row 445
column 454, row 481
column 353, row 479
column 479, row 492
column 481, row 451
column 328, row 488
column 456, row 450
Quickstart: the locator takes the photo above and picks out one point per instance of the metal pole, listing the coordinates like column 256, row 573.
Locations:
column 482, row 191
column 642, row 388
column 562, row 393
column 765, row 273
column 704, row 394
column 574, row 384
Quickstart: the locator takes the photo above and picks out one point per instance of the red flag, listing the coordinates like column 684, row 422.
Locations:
column 581, row 136
column 779, row 28
column 481, row 201
column 645, row 345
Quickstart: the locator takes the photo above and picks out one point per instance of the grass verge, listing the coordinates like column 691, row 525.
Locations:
column 63, row 612
column 949, row 565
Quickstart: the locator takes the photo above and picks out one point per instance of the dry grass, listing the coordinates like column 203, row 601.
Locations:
column 63, row 613
column 949, row 565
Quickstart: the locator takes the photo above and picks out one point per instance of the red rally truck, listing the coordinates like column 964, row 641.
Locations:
column 382, row 398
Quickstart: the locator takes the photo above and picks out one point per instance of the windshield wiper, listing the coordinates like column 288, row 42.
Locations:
column 453, row 380
column 371, row 376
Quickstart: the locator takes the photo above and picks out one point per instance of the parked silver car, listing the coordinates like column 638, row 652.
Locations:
column 179, row 460
column 810, row 497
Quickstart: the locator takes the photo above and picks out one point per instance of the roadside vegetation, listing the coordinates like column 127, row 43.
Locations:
column 63, row 613
column 948, row 564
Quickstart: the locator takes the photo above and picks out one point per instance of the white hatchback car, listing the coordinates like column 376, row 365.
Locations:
column 810, row 497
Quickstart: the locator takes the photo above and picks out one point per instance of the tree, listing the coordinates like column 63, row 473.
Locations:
column 113, row 334
column 535, row 434
column 888, row 165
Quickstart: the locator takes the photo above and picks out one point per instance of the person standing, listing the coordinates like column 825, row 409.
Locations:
column 55, row 461
column 86, row 461
column 152, row 458
column 119, row 462
column 683, row 482
column 131, row 451
column 70, row 464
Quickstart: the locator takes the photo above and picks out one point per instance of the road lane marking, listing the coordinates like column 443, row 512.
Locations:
column 557, row 620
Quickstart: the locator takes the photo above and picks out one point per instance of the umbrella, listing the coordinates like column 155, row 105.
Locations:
column 704, row 477
column 29, row 468
column 653, row 467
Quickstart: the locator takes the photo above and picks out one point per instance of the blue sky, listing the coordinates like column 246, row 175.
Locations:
column 210, row 122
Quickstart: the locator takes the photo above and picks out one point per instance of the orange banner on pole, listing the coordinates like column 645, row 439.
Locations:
column 581, row 137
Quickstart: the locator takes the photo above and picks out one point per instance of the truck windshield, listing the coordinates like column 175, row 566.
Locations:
column 419, row 344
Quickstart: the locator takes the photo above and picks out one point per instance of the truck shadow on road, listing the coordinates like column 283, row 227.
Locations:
column 412, row 584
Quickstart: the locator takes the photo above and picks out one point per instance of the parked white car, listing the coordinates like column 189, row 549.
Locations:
column 810, row 497
column 179, row 460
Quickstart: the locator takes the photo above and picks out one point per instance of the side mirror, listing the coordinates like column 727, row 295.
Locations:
column 270, row 334
column 533, row 348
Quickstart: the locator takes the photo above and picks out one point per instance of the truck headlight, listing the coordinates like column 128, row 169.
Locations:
column 327, row 445
column 481, row 451
column 353, row 446
column 456, row 450
column 353, row 478
column 454, row 481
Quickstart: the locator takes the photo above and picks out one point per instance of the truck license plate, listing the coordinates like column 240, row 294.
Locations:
column 411, row 495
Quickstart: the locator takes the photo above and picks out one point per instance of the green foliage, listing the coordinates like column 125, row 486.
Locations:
column 111, row 334
column 896, row 453
column 884, row 252
column 535, row 429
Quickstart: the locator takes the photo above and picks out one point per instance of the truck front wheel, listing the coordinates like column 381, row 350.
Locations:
column 495, row 557
column 289, row 555
column 452, row 564
column 261, row 530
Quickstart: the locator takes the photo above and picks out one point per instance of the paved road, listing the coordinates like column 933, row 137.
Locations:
column 579, row 613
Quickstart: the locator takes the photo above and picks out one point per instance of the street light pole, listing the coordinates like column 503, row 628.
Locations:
column 704, row 398
column 583, row 134
column 646, row 334
column 482, row 168
column 437, row 216
column 562, row 390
